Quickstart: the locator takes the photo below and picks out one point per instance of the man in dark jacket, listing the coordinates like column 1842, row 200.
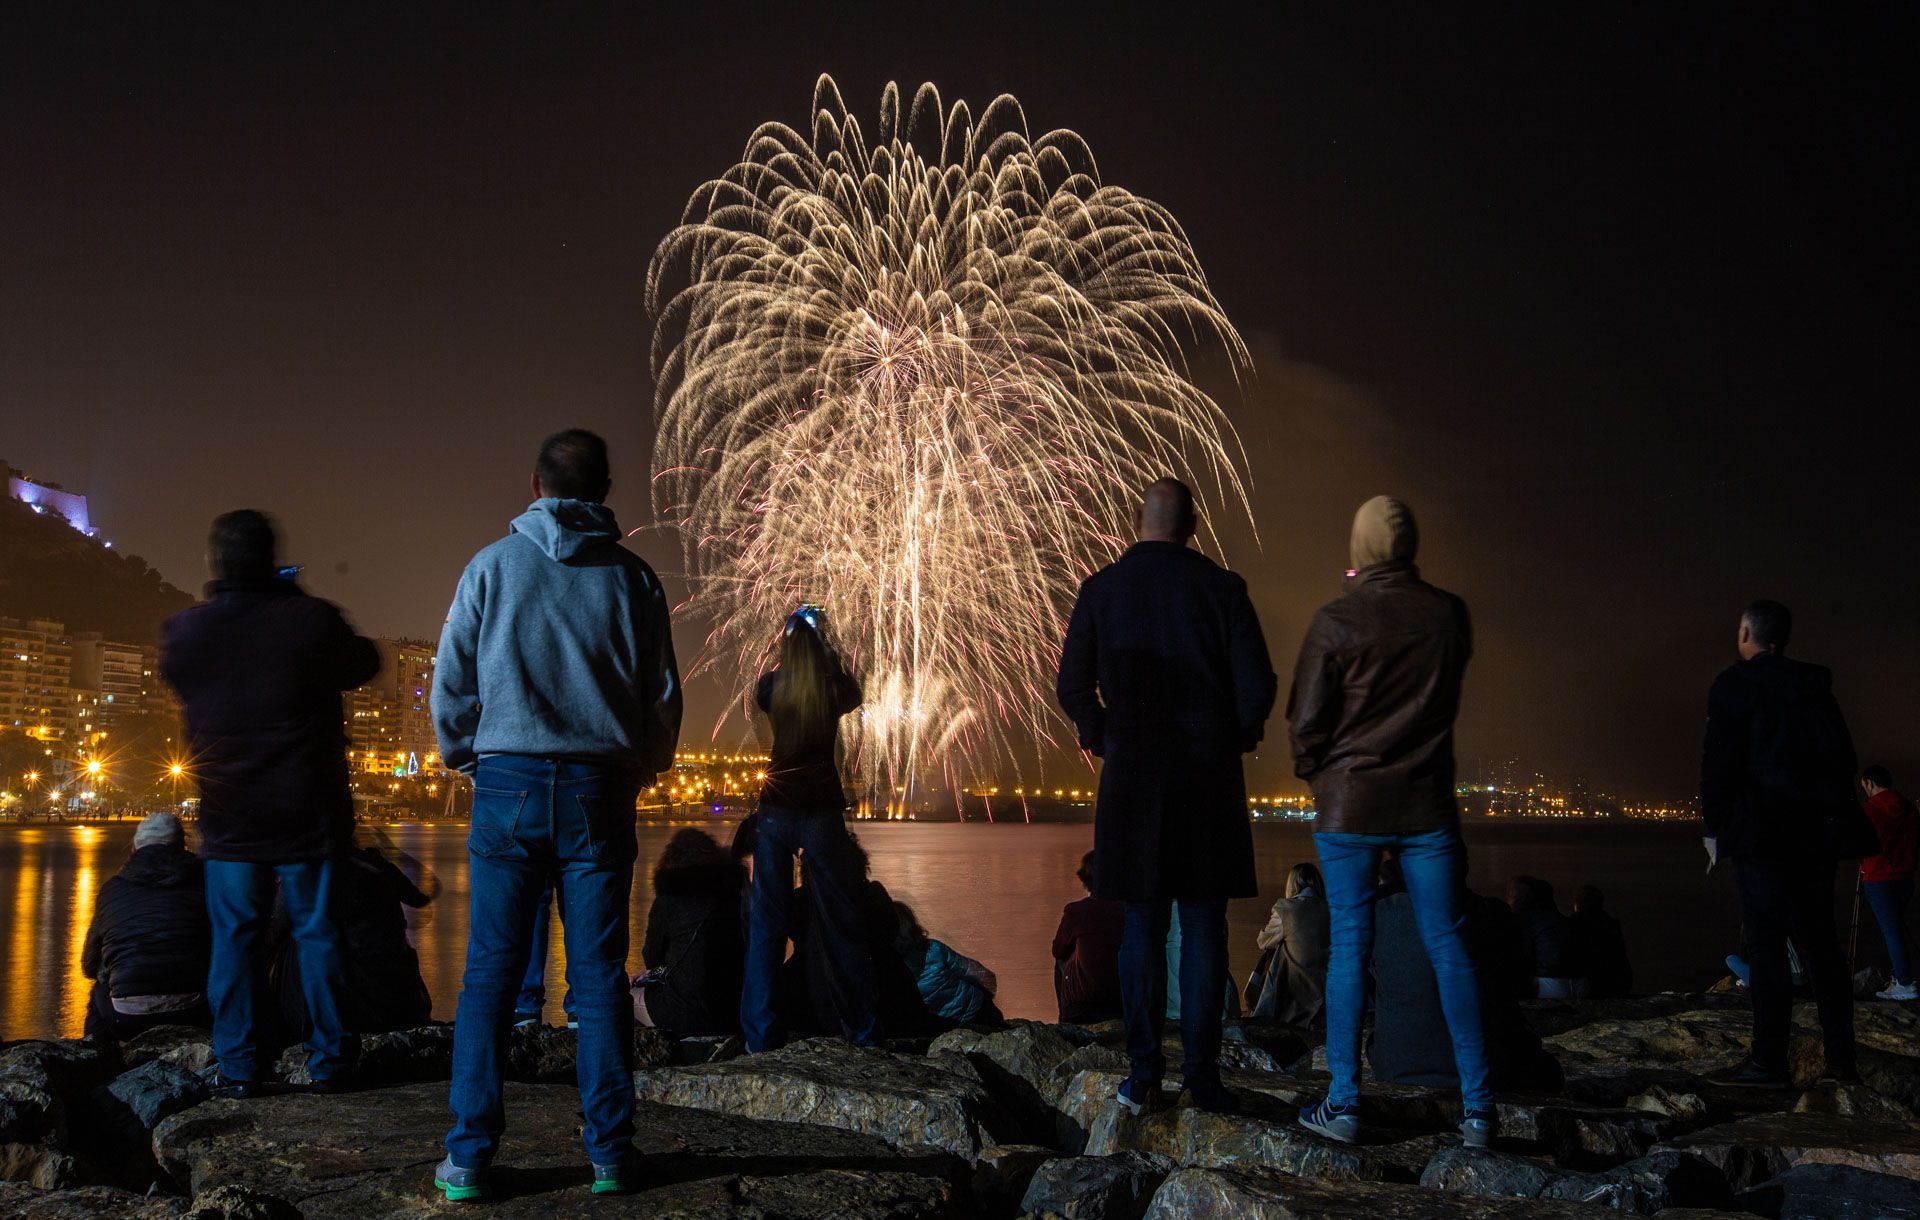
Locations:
column 556, row 689
column 1776, row 784
column 1371, row 715
column 147, row 947
column 259, row 667
column 1603, row 946
column 1166, row 677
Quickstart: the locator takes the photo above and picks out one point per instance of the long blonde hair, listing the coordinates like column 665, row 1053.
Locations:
column 802, row 697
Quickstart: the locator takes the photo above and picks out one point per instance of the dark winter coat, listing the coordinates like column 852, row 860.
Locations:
column 1603, row 948
column 694, row 935
column 150, row 935
column 1409, row 1043
column 259, row 668
column 1166, row 677
column 1547, row 945
column 1087, row 947
column 1777, row 761
column 806, row 988
column 384, row 987
column 1374, row 696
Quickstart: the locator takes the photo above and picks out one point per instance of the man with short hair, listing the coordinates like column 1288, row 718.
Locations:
column 1166, row 677
column 259, row 667
column 556, row 689
column 1375, row 693
column 1887, row 878
column 1776, row 780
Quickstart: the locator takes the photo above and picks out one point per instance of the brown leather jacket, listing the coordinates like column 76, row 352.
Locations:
column 1374, row 696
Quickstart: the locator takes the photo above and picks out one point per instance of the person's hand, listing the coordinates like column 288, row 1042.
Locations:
column 1713, row 851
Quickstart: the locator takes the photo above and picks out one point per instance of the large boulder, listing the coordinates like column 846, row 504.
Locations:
column 1097, row 1187
column 1852, row 1101
column 1262, row 1194
column 19, row 1201
column 44, row 1086
column 134, row 1102
column 186, row 1046
column 240, row 1203
column 1751, row 1150
column 1833, row 1192
column 1700, row 1041
column 1023, row 1065
column 1190, row 1136
column 937, row 1102
column 37, row 1165
column 1643, row 1186
column 1002, row 1174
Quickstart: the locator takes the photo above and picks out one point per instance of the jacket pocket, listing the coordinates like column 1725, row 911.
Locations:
column 494, row 832
column 608, row 814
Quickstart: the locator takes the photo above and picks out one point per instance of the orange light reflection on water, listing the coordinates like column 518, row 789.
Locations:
column 22, row 971
column 86, row 883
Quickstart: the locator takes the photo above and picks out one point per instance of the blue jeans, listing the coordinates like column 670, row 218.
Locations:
column 538, row 822
column 240, row 908
column 532, row 1001
column 1203, row 984
column 1889, row 900
column 833, row 880
column 1433, row 864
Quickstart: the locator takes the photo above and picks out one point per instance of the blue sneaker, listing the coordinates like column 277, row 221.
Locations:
column 1335, row 1122
column 460, row 1185
column 1477, row 1128
column 620, row 1179
column 1138, row 1096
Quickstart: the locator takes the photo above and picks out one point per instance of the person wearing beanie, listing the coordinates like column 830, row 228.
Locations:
column 147, row 947
column 1371, row 716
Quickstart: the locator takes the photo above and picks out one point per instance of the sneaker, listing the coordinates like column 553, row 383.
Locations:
column 227, row 1088
column 523, row 1019
column 460, row 1185
column 620, row 1179
column 1754, row 1075
column 1739, row 968
column 1477, row 1128
column 1214, row 1097
column 1335, row 1122
column 1139, row 1097
column 1899, row 991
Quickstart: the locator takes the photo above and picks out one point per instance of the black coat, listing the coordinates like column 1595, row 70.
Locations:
column 150, row 934
column 1548, row 947
column 1777, row 760
column 1603, row 947
column 1166, row 677
column 694, row 933
column 384, row 987
column 259, row 668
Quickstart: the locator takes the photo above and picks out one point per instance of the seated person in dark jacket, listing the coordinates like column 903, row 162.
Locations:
column 1602, row 946
column 385, row 990
column 694, row 951
column 954, row 988
column 148, row 945
column 806, row 992
column 1547, row 943
column 1086, row 955
column 1409, row 1043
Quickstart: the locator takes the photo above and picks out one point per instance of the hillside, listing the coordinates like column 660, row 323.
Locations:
column 50, row 570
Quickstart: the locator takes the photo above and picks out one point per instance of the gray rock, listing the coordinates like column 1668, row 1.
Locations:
column 37, row 1165
column 1257, row 1136
column 1833, row 1192
column 706, row 1048
column 1097, row 1187
column 405, row 1055
column 1669, row 1101
column 186, row 1046
column 1643, row 1186
column 1852, row 1101
column 845, row 1194
column 541, row 1054
column 1002, row 1174
column 1019, row 1064
column 938, row 1102
column 1752, row 1150
column 44, row 1084
column 240, row 1203
column 1262, row 1194
column 19, row 1201
column 134, row 1102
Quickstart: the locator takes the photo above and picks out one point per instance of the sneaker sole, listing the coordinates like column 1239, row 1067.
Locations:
column 1332, row 1133
column 460, row 1194
column 612, row 1188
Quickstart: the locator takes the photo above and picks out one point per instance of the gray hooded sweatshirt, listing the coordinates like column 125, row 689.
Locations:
column 558, row 646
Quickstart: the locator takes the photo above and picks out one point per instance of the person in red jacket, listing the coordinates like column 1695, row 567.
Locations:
column 1889, row 875
column 1086, row 955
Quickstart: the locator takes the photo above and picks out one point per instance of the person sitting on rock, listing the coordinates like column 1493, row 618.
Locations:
column 956, row 989
column 1409, row 1043
column 1086, row 955
column 1290, row 984
column 694, row 950
column 1547, row 942
column 148, row 945
column 1601, row 944
column 805, row 997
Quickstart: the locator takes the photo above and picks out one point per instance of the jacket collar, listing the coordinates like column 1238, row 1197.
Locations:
column 1156, row 544
column 1394, row 571
column 269, row 586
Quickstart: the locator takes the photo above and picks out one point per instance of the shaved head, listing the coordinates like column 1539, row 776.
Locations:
column 1165, row 513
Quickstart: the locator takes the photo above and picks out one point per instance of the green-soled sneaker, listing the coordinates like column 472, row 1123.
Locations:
column 621, row 1179
column 459, row 1185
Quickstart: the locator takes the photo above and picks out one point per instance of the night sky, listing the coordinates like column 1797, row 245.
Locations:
column 1621, row 299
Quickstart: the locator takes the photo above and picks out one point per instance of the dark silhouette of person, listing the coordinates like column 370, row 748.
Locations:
column 384, row 988
column 1777, row 769
column 1086, row 955
column 1166, row 677
column 694, row 949
column 806, row 994
column 259, row 667
column 1603, row 946
column 1549, row 949
column 148, row 945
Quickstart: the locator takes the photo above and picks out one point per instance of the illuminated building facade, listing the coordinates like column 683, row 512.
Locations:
column 36, row 664
column 390, row 719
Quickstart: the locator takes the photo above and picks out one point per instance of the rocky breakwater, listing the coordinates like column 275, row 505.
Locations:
column 1018, row 1121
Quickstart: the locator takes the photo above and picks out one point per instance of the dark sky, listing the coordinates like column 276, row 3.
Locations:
column 1620, row 298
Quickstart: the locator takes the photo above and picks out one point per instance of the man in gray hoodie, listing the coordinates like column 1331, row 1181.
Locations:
column 556, row 690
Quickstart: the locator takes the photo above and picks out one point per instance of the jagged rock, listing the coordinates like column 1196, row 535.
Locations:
column 1833, row 1192
column 939, row 1102
column 1002, row 1174
column 1248, row 1057
column 1893, row 1076
column 652, row 1048
column 1699, row 1040
column 43, row 1084
column 1019, row 1064
column 37, row 1165
column 425, row 1053
column 19, row 1201
column 706, row 1048
column 1259, row 1135
column 1097, row 1187
column 183, row 1045
column 1852, row 1101
column 1666, row 1100
column 1642, row 1186
column 240, row 1203
column 1087, row 1095
column 1752, row 1150
column 541, row 1054
column 371, row 1153
column 1262, row 1194
column 134, row 1102
column 1283, row 1043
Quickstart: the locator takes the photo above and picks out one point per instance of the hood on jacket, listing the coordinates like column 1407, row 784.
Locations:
column 1383, row 532
column 163, row 866
column 564, row 528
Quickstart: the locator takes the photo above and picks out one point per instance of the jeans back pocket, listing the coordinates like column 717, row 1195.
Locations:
column 496, row 823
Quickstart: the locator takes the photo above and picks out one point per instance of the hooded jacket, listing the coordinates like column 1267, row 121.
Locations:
column 150, row 935
column 1776, row 762
column 558, row 646
column 694, row 935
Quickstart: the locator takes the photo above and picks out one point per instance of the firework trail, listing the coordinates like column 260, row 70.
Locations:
column 921, row 380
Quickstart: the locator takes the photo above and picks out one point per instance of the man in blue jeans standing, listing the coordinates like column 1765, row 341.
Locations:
column 259, row 667
column 1371, row 716
column 1166, row 678
column 556, row 689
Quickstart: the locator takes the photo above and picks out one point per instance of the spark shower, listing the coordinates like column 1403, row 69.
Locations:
column 920, row 378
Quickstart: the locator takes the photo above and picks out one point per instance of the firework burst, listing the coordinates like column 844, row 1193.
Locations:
column 921, row 379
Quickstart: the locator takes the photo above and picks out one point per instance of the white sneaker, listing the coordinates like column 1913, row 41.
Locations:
column 1899, row 991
